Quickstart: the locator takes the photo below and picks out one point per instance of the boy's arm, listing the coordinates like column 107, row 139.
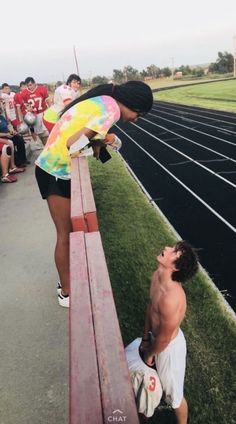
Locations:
column 145, row 343
column 147, row 325
column 19, row 113
column 167, row 326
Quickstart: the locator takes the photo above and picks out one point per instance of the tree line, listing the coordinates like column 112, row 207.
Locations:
column 224, row 64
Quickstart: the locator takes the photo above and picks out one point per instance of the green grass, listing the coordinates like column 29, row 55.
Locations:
column 133, row 233
column 219, row 95
column 168, row 81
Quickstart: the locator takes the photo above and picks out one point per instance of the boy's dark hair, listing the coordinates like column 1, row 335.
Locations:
column 186, row 264
column 5, row 85
column 73, row 77
column 22, row 83
column 29, row 79
column 136, row 95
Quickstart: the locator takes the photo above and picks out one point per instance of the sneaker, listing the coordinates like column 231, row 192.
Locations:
column 59, row 287
column 8, row 179
column 63, row 300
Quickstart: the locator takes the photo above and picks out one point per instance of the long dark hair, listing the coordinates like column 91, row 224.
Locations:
column 136, row 95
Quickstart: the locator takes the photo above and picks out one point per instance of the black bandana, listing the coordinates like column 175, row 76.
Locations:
column 136, row 95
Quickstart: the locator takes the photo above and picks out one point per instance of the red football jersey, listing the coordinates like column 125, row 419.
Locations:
column 17, row 98
column 19, row 102
column 36, row 98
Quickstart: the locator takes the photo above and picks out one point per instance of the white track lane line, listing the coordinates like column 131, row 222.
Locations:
column 196, row 114
column 186, row 156
column 198, row 122
column 220, row 217
column 192, row 129
column 188, row 139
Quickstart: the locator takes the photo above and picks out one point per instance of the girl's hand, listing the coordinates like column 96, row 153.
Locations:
column 113, row 141
column 109, row 139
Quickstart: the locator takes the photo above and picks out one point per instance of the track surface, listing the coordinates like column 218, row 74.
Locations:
column 185, row 158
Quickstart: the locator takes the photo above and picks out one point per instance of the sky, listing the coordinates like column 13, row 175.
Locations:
column 38, row 39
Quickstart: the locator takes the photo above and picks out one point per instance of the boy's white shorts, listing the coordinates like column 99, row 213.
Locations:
column 170, row 365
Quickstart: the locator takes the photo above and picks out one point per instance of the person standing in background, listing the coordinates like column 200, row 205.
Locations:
column 64, row 94
column 35, row 99
column 21, row 108
column 8, row 100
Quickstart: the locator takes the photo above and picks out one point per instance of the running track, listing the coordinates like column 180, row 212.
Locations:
column 185, row 157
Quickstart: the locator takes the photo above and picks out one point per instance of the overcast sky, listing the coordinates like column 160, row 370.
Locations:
column 38, row 37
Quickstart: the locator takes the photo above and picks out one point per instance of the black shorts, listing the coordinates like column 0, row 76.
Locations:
column 48, row 184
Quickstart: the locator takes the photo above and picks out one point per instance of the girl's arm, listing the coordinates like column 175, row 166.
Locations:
column 96, row 144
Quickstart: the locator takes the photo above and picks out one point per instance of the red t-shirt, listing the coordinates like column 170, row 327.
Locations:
column 36, row 98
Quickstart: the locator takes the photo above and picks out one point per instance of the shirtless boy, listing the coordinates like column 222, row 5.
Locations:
column 165, row 312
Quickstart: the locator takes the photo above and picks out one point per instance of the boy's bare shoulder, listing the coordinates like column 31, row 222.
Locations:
column 172, row 298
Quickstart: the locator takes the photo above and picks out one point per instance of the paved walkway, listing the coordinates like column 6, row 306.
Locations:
column 33, row 328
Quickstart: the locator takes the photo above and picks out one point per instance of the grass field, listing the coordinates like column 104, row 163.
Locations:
column 166, row 82
column 219, row 95
column 133, row 233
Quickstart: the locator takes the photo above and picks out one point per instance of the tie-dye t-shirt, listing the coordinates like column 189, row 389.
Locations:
column 97, row 114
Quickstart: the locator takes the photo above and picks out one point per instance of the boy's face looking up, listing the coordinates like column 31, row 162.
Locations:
column 168, row 256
